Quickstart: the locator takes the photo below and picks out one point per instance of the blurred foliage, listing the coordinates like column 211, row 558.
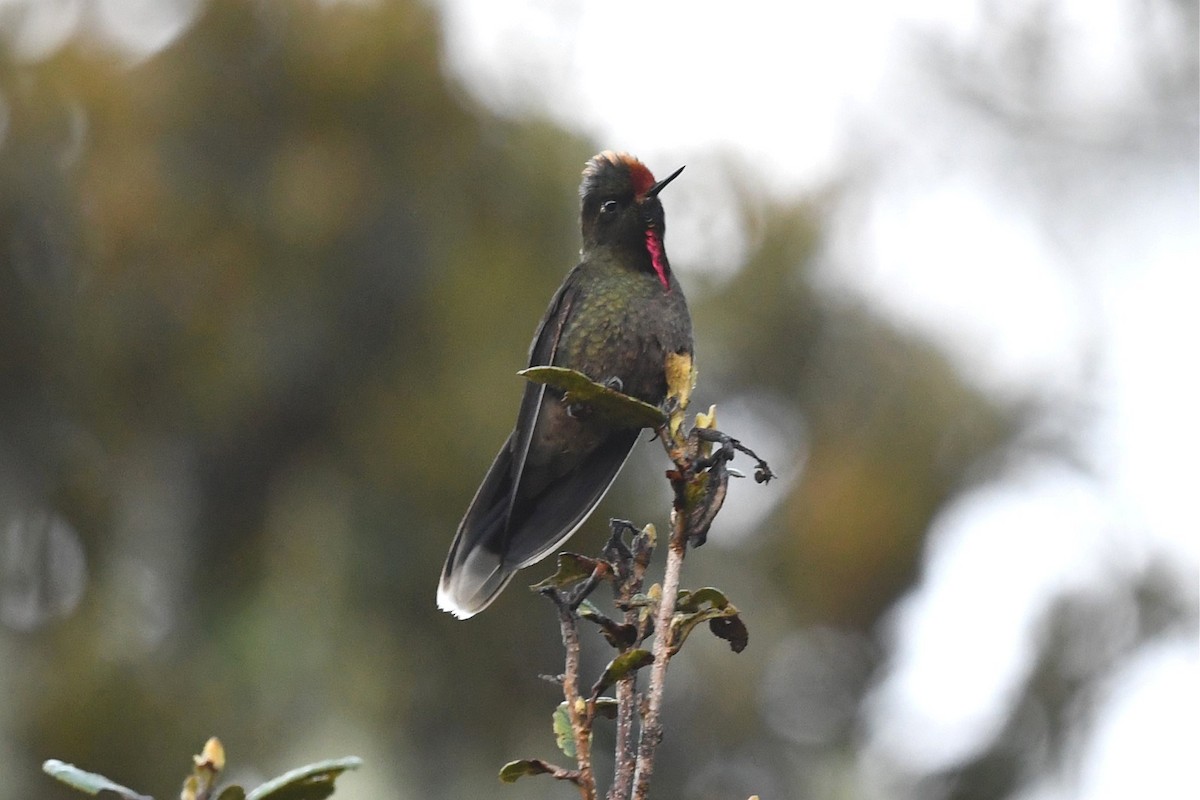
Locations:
column 262, row 298
column 311, row 782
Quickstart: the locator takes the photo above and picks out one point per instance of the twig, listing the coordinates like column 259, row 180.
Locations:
column 626, row 752
column 626, row 587
column 652, row 728
column 581, row 719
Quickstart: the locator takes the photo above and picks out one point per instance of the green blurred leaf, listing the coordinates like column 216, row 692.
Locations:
column 616, row 408
column 88, row 782
column 514, row 770
column 564, row 734
column 312, row 782
column 232, row 793
column 572, row 568
column 621, row 666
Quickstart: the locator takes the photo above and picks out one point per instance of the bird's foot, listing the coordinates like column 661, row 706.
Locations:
column 727, row 448
column 582, row 411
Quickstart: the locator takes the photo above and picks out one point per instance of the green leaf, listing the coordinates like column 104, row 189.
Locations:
column 723, row 622
column 621, row 666
column 312, row 782
column 619, row 410
column 515, row 770
column 232, row 793
column 688, row 602
column 572, row 568
column 88, row 782
column 607, row 707
column 564, row 734
column 684, row 624
column 712, row 606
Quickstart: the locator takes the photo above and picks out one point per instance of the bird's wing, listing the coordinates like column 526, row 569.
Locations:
column 538, row 490
column 478, row 565
column 541, row 353
column 552, row 491
column 541, row 522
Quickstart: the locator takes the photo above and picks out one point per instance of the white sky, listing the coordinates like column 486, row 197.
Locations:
column 1070, row 272
column 137, row 28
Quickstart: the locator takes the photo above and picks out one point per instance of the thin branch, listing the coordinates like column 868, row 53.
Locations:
column 625, row 750
column 581, row 720
column 652, row 728
column 627, row 586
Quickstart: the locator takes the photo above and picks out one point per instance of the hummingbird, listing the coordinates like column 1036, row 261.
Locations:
column 619, row 318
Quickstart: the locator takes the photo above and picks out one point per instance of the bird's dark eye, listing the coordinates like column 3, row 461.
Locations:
column 608, row 208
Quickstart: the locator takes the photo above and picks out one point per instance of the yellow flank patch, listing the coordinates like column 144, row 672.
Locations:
column 681, row 377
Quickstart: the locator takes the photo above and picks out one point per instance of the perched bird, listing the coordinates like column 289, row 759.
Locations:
column 618, row 318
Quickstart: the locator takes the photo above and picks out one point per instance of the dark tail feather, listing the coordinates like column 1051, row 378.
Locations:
column 542, row 523
column 471, row 585
column 491, row 546
column 475, row 570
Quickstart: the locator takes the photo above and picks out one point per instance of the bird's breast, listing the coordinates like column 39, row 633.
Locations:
column 623, row 326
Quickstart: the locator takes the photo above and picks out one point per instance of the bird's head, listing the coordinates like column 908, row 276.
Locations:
column 621, row 210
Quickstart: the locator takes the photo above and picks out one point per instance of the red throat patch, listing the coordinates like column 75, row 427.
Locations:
column 658, row 258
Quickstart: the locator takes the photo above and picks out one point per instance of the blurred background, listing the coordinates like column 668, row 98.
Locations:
column 267, row 270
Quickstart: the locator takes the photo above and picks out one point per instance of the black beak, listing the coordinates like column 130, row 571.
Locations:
column 658, row 187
